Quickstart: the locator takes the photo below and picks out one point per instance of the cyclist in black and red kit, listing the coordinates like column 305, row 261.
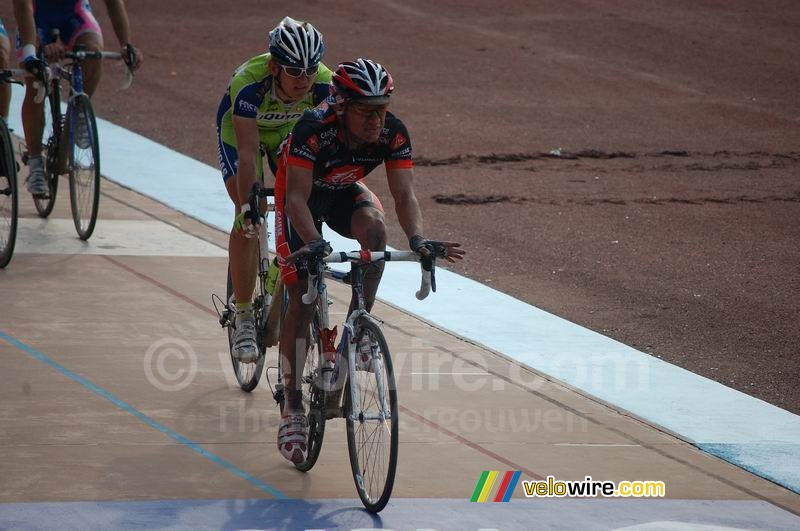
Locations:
column 331, row 149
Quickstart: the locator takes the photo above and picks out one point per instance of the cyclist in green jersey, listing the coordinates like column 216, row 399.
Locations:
column 265, row 98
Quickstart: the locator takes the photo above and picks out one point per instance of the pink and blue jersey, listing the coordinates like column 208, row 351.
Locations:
column 72, row 18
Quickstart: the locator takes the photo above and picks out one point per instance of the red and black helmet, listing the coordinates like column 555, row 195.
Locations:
column 362, row 81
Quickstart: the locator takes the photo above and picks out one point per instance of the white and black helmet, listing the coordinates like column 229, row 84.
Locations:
column 296, row 43
column 362, row 80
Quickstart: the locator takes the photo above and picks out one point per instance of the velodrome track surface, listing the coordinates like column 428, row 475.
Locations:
column 670, row 224
column 82, row 421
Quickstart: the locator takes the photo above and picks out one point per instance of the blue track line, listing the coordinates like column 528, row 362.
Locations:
column 269, row 489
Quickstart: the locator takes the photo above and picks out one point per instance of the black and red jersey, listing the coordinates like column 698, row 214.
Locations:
column 316, row 143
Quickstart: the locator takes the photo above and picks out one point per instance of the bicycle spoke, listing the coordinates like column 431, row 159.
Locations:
column 374, row 452
column 84, row 176
column 247, row 374
column 8, row 197
column 44, row 206
column 84, row 166
column 314, row 398
column 372, row 432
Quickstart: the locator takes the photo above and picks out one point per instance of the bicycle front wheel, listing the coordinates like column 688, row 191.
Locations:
column 247, row 374
column 84, row 165
column 9, row 202
column 372, row 422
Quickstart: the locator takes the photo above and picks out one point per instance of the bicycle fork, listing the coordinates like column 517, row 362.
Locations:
column 350, row 341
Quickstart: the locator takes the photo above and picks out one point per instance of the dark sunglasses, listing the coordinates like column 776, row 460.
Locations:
column 296, row 71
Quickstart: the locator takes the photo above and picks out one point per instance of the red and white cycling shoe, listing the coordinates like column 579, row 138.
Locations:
column 293, row 438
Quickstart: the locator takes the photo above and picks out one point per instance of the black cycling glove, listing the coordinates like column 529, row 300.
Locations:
column 417, row 242
column 129, row 56
column 36, row 67
column 319, row 248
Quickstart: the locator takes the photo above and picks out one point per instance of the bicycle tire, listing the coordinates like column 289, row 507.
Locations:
column 314, row 397
column 84, row 167
column 247, row 374
column 373, row 488
column 9, row 200
column 52, row 163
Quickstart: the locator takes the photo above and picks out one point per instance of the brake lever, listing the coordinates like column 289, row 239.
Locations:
column 128, row 81
column 255, row 212
column 439, row 251
column 429, row 264
column 129, row 58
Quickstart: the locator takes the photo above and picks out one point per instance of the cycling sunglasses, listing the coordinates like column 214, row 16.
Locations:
column 296, row 71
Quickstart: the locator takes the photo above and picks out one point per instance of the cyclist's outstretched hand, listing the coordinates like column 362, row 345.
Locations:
column 450, row 251
column 132, row 56
column 246, row 222
column 314, row 249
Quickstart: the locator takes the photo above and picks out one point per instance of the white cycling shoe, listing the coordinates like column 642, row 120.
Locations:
column 36, row 183
column 245, row 348
column 293, row 437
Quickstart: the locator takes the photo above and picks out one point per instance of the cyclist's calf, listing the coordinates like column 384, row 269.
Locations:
column 369, row 229
column 294, row 336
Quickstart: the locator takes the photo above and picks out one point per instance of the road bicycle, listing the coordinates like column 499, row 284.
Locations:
column 332, row 386
column 354, row 380
column 9, row 187
column 72, row 143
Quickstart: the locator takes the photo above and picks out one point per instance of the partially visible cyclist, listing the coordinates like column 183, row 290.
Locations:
column 5, row 64
column 329, row 152
column 265, row 98
column 26, row 32
column 76, row 26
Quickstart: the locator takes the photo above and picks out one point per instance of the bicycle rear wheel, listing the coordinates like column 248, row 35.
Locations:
column 84, row 165
column 372, row 436
column 9, row 200
column 314, row 397
column 52, row 165
column 248, row 374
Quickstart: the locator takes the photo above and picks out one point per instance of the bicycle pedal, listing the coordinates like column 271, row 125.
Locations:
column 278, row 395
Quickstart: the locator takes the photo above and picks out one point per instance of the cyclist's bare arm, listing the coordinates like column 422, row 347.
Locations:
column 26, row 26
column 298, row 189
column 119, row 20
column 23, row 13
column 401, row 185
